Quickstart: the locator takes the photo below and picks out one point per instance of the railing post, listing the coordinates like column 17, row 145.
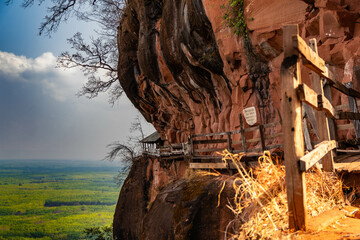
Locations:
column 229, row 141
column 322, row 121
column 262, row 137
column 293, row 132
column 242, row 133
column 353, row 108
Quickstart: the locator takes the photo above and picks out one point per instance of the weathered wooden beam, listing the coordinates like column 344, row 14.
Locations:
column 350, row 116
column 211, row 166
column 209, row 150
column 292, row 129
column 321, row 119
column 348, row 151
column 339, row 86
column 323, row 148
column 313, row 61
column 195, row 142
column 345, row 126
column 317, row 101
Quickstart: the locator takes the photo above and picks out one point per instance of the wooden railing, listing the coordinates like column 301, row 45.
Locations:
column 201, row 149
column 294, row 93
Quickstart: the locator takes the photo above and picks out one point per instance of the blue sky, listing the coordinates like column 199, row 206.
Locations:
column 40, row 116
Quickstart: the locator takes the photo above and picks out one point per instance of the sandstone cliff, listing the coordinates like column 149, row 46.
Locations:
column 187, row 73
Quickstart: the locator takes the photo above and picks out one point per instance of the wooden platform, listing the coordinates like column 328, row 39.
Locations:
column 349, row 162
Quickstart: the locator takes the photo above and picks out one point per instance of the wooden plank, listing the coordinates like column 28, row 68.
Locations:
column 313, row 61
column 196, row 142
column 251, row 129
column 292, row 129
column 211, row 166
column 317, row 101
column 348, row 157
column 351, row 116
column 345, row 126
column 323, row 148
column 209, row 150
column 321, row 119
column 348, row 151
column 339, row 86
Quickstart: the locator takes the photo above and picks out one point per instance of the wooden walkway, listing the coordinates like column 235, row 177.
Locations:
column 349, row 162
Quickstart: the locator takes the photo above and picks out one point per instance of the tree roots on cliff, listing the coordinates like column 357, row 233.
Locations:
column 260, row 203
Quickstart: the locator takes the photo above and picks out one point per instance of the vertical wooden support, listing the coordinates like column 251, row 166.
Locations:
column 242, row 133
column 292, row 130
column 229, row 141
column 321, row 119
column 353, row 108
column 191, row 141
column 331, row 122
column 262, row 138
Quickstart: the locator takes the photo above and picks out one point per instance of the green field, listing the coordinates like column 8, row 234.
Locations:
column 55, row 199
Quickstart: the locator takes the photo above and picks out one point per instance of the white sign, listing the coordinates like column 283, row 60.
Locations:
column 250, row 115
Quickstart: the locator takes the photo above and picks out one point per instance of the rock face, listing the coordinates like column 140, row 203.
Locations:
column 188, row 73
column 186, row 208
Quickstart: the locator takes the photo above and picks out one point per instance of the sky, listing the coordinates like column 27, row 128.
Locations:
column 40, row 115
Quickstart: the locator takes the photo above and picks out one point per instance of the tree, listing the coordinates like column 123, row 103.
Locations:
column 129, row 151
column 97, row 59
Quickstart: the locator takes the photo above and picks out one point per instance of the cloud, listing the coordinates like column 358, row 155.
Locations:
column 61, row 85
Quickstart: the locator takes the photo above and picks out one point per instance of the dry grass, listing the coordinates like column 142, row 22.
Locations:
column 260, row 203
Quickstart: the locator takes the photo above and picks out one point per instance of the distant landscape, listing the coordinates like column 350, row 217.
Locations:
column 56, row 199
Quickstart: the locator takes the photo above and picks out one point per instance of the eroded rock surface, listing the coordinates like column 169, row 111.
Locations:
column 172, row 206
column 188, row 73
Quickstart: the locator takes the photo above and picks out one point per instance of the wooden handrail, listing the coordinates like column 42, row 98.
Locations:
column 317, row 64
column 307, row 161
column 317, row 101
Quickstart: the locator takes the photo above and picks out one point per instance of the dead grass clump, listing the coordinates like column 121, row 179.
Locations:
column 260, row 202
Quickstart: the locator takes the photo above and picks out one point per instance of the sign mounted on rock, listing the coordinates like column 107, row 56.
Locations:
column 250, row 115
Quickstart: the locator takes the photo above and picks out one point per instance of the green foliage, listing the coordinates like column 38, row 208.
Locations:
column 99, row 233
column 234, row 17
column 22, row 212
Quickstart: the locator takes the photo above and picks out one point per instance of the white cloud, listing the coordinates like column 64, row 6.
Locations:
column 55, row 82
